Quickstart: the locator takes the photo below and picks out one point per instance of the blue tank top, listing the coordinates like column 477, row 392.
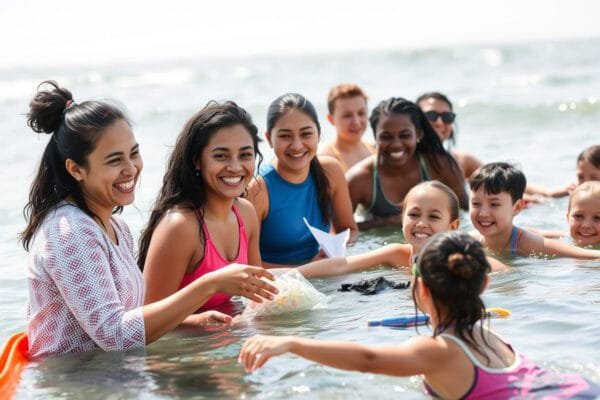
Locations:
column 284, row 237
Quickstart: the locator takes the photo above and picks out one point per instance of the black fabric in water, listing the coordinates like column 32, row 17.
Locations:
column 373, row 286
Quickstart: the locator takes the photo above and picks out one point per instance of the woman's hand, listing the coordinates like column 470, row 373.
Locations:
column 244, row 280
column 257, row 350
column 211, row 317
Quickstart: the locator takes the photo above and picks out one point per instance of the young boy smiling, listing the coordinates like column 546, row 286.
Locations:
column 496, row 198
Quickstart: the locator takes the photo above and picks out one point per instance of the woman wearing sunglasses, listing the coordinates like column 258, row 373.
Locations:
column 438, row 110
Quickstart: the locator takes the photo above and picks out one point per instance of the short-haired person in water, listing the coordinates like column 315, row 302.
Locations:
column 463, row 358
column 496, row 198
column 408, row 152
column 85, row 289
column 348, row 113
column 297, row 184
column 199, row 224
column 440, row 113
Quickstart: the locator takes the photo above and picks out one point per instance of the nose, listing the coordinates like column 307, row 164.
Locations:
column 296, row 143
column 130, row 168
column 234, row 164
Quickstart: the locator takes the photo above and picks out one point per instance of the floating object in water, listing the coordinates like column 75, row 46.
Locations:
column 497, row 312
column 12, row 361
column 401, row 322
column 422, row 319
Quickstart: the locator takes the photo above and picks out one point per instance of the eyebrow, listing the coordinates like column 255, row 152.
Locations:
column 118, row 153
column 227, row 149
column 289, row 130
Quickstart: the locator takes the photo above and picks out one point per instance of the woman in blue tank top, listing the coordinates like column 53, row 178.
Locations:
column 296, row 185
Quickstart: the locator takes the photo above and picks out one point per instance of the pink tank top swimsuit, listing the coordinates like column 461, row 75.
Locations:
column 213, row 261
column 522, row 379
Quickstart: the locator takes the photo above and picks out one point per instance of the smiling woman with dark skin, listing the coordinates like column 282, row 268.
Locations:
column 408, row 152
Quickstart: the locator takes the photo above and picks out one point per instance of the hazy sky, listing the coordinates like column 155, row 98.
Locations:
column 59, row 32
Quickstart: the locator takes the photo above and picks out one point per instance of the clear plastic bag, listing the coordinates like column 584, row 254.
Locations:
column 296, row 293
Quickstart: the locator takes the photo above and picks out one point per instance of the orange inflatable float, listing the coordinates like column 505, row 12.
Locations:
column 13, row 359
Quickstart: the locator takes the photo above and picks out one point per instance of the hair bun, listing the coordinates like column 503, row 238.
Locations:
column 47, row 106
column 460, row 266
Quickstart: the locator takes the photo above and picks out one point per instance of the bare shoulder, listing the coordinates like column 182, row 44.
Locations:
column 326, row 149
column 361, row 171
column 329, row 163
column 178, row 221
column 256, row 188
column 246, row 209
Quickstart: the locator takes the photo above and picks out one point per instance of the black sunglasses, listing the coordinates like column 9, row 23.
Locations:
column 447, row 116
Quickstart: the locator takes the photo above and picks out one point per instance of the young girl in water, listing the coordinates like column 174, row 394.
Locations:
column 429, row 208
column 347, row 105
column 583, row 213
column 462, row 359
column 408, row 152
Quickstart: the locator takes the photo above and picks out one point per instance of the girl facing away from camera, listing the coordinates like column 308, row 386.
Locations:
column 408, row 152
column 463, row 358
column 347, row 106
column 297, row 184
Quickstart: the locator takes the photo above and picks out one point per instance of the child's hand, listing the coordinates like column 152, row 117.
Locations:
column 257, row 350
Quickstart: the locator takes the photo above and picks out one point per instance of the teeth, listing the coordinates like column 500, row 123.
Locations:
column 232, row 180
column 586, row 234
column 397, row 154
column 485, row 224
column 125, row 186
column 297, row 155
column 421, row 235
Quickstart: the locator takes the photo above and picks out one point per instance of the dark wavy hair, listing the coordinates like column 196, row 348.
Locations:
column 182, row 185
column 294, row 101
column 430, row 142
column 75, row 129
column 454, row 267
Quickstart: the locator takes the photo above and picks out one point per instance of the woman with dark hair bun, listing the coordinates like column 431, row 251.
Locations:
column 85, row 289
column 297, row 184
column 408, row 152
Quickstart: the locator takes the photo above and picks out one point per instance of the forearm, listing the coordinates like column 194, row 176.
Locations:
column 165, row 315
column 337, row 354
column 345, row 265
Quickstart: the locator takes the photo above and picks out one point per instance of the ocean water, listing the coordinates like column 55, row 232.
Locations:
column 536, row 104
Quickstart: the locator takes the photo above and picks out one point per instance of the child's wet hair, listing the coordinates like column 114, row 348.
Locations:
column 450, row 195
column 498, row 177
column 592, row 187
column 591, row 155
column 454, row 267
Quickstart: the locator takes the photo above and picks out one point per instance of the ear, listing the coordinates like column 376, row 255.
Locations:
column 519, row 205
column 74, row 170
column 330, row 119
column 454, row 225
column 268, row 137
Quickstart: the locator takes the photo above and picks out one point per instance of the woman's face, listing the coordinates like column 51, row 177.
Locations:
column 113, row 168
column 396, row 138
column 350, row 118
column 227, row 162
column 294, row 139
column 431, row 106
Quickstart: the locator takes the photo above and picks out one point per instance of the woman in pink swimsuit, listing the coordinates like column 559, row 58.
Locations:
column 198, row 223
column 463, row 358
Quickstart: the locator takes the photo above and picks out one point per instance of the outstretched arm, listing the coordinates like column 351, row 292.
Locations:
column 390, row 255
column 418, row 355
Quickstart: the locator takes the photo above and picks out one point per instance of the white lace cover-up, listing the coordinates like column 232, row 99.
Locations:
column 84, row 291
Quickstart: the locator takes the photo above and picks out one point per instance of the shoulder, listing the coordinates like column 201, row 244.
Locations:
column 67, row 221
column 332, row 167
column 468, row 162
column 178, row 222
column 245, row 208
column 326, row 149
column 361, row 170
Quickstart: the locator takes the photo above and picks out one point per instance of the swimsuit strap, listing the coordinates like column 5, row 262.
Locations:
column 338, row 156
column 423, row 168
column 514, row 240
column 200, row 217
column 375, row 179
